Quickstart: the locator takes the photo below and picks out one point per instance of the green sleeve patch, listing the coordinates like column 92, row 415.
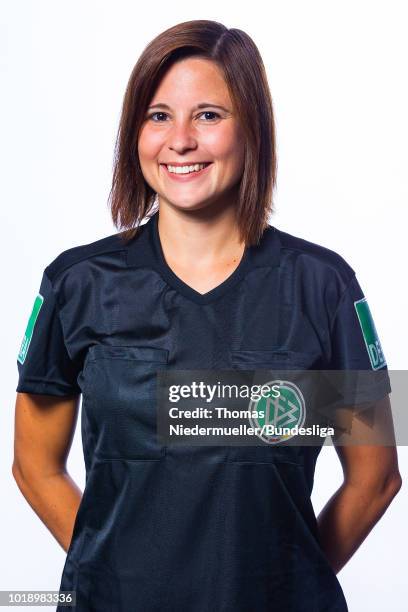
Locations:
column 370, row 335
column 38, row 302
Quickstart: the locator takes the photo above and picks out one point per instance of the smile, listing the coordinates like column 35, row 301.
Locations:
column 187, row 172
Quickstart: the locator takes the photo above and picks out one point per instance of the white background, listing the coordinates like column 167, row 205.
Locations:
column 337, row 72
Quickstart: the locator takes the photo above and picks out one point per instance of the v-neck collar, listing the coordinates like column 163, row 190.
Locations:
column 145, row 250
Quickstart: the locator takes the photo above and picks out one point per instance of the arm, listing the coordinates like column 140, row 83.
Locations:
column 44, row 428
column 371, row 481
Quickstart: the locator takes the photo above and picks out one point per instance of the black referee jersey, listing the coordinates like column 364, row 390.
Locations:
column 199, row 528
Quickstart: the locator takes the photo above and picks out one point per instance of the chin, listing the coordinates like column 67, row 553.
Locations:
column 188, row 205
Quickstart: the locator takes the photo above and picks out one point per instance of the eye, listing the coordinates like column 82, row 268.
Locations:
column 156, row 113
column 210, row 113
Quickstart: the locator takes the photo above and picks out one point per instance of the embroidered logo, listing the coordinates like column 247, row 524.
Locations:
column 370, row 335
column 38, row 302
column 287, row 410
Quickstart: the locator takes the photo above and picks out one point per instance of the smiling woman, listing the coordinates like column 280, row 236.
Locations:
column 192, row 155
column 206, row 283
column 185, row 105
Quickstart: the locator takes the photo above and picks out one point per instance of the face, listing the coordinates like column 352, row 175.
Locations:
column 191, row 120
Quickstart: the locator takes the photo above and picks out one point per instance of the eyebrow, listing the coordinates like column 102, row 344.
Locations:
column 201, row 105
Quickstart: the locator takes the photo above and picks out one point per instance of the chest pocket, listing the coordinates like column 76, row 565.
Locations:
column 275, row 360
column 119, row 402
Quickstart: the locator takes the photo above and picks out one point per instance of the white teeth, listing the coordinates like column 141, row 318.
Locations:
column 185, row 169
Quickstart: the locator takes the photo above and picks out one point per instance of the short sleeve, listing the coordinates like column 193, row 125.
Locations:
column 43, row 362
column 356, row 349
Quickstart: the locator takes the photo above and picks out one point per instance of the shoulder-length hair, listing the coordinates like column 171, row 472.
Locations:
column 131, row 199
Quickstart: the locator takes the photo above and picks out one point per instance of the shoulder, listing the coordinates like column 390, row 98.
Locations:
column 313, row 257
column 81, row 253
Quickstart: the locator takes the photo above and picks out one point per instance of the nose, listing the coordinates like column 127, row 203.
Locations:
column 181, row 136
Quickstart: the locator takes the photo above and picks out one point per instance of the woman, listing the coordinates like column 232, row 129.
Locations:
column 206, row 283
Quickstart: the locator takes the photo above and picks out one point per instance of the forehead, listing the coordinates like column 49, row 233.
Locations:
column 192, row 80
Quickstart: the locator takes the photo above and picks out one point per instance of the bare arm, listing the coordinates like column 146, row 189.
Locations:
column 44, row 428
column 371, row 481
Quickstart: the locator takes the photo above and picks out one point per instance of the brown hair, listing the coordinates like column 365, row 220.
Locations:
column 131, row 198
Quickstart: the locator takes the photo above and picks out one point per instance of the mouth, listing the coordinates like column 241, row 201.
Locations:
column 186, row 172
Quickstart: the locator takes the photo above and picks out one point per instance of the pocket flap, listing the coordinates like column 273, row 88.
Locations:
column 139, row 353
column 272, row 358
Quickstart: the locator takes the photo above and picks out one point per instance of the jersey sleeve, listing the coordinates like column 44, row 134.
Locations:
column 356, row 349
column 43, row 362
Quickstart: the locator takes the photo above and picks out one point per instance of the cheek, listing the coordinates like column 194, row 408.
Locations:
column 226, row 145
column 149, row 144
